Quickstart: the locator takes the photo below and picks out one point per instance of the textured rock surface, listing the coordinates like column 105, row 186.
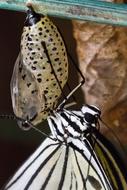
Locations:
column 102, row 53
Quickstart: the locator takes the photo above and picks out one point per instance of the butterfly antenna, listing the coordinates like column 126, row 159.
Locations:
column 77, row 87
column 69, row 88
column 76, row 67
column 69, row 95
column 14, row 117
column 7, row 116
column 39, row 131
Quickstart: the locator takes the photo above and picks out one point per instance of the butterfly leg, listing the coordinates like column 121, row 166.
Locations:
column 76, row 88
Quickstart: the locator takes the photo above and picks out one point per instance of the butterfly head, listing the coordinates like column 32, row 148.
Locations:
column 91, row 114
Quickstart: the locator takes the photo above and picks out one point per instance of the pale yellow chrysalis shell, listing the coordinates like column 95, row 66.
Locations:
column 34, row 88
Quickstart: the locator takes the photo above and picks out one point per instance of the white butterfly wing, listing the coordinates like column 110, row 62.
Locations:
column 31, row 167
column 55, row 166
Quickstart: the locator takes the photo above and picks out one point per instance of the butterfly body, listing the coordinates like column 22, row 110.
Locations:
column 34, row 86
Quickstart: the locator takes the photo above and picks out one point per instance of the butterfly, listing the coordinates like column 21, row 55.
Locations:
column 77, row 157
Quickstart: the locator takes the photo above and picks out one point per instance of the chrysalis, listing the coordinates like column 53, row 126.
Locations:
column 41, row 69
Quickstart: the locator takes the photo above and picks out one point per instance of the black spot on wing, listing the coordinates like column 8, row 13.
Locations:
column 94, row 182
